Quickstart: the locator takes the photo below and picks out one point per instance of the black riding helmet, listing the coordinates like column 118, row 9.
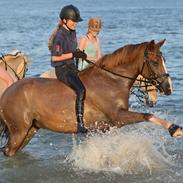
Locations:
column 70, row 12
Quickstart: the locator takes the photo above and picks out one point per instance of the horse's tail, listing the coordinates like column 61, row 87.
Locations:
column 4, row 133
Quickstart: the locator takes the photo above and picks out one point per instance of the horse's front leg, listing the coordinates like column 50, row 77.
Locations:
column 174, row 130
column 123, row 117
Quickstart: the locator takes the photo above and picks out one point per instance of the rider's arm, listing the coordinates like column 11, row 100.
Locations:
column 82, row 43
column 82, row 46
column 99, row 49
column 62, row 57
column 57, row 50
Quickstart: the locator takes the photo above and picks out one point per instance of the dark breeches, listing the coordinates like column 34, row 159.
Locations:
column 69, row 75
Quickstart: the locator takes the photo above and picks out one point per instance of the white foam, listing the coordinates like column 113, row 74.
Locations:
column 124, row 153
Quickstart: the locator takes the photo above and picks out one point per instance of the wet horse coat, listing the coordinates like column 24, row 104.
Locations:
column 36, row 103
column 150, row 93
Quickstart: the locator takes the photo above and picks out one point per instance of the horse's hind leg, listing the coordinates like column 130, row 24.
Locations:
column 29, row 136
column 17, row 131
column 15, row 140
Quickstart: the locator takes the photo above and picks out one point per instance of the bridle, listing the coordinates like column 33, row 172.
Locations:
column 153, row 78
column 6, row 65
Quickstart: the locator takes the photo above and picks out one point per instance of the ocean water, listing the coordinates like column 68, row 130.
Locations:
column 137, row 153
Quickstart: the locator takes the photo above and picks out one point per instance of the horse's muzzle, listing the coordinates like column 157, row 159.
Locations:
column 165, row 87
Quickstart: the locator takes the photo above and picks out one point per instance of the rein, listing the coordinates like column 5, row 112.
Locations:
column 116, row 74
column 102, row 68
column 8, row 66
column 152, row 80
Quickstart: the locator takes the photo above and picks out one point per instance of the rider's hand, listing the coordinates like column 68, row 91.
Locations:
column 79, row 54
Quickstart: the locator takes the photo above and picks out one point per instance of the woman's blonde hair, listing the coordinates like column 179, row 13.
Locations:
column 95, row 24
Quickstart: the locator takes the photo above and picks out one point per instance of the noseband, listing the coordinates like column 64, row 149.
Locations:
column 6, row 65
column 153, row 78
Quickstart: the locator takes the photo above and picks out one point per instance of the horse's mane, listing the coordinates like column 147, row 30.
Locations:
column 13, row 55
column 122, row 55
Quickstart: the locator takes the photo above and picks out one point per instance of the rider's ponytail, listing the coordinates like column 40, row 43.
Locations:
column 52, row 37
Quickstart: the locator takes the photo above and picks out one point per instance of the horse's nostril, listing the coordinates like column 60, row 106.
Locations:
column 152, row 104
column 169, row 92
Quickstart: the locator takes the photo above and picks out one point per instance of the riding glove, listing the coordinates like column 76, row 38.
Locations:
column 79, row 54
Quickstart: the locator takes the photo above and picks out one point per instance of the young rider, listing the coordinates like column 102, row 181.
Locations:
column 63, row 54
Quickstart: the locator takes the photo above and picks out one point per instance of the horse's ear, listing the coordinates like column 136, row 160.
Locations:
column 151, row 45
column 159, row 44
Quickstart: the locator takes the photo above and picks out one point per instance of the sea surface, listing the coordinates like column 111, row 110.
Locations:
column 138, row 153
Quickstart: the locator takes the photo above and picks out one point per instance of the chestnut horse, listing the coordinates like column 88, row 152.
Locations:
column 35, row 103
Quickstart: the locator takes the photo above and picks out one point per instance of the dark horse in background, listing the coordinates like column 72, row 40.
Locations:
column 34, row 103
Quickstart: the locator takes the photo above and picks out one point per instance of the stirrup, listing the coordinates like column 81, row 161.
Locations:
column 173, row 128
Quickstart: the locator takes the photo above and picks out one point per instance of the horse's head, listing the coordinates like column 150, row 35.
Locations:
column 154, row 68
column 15, row 63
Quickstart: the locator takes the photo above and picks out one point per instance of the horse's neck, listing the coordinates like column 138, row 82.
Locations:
column 127, row 61
column 122, row 66
column 127, row 72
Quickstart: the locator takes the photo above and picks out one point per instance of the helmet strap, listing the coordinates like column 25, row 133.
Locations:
column 65, row 23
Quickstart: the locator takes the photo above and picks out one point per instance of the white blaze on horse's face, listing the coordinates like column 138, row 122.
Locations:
column 169, row 79
column 155, row 67
column 157, row 72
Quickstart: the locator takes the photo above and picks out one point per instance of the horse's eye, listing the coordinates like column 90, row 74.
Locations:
column 155, row 64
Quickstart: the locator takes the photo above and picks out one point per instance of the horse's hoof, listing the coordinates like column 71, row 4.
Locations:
column 175, row 130
column 7, row 152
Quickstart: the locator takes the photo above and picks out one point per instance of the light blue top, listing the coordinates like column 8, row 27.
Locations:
column 91, row 50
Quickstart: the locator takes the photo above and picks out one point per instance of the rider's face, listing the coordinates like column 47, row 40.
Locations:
column 71, row 24
column 94, row 33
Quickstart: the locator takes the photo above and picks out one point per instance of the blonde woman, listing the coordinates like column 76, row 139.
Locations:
column 90, row 43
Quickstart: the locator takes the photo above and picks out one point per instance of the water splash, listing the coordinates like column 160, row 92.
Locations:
column 116, row 151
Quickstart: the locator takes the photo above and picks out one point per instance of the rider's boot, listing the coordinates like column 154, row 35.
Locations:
column 79, row 114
